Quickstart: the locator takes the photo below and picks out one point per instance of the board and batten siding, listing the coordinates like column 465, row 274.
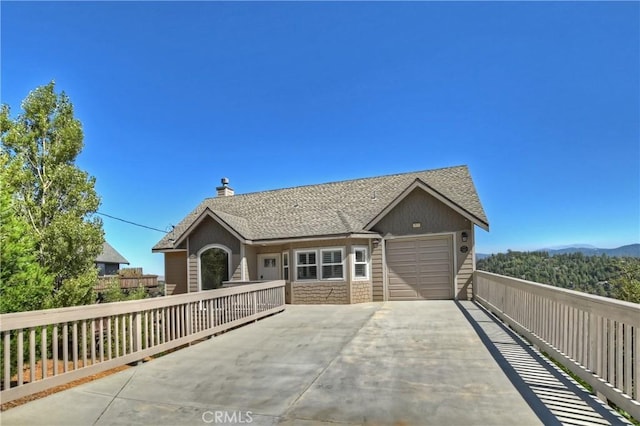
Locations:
column 430, row 216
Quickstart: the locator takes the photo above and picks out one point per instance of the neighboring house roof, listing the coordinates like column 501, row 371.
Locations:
column 110, row 255
column 336, row 208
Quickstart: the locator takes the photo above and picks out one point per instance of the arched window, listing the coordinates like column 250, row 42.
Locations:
column 214, row 266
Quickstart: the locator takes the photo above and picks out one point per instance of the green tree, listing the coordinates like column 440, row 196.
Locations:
column 113, row 292
column 24, row 284
column 601, row 275
column 627, row 284
column 55, row 197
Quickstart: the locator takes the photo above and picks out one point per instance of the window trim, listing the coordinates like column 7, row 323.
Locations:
column 366, row 263
column 322, row 264
column 286, row 266
column 318, row 252
column 314, row 251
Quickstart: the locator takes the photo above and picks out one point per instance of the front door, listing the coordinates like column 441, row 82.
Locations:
column 269, row 267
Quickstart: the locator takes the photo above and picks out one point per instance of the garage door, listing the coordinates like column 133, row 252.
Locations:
column 420, row 268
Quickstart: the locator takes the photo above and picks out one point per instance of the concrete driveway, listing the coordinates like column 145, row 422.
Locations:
column 394, row 363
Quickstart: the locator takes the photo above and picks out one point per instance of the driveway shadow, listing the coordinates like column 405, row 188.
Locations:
column 553, row 395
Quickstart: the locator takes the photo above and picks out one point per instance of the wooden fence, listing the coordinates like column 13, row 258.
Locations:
column 597, row 338
column 84, row 340
column 124, row 282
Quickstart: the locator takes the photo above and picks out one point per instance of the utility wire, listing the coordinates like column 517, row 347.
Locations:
column 132, row 223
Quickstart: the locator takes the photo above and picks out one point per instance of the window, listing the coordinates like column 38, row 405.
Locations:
column 332, row 264
column 102, row 269
column 360, row 263
column 285, row 265
column 214, row 268
column 307, row 267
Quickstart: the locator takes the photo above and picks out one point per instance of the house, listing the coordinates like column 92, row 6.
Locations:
column 109, row 261
column 407, row 236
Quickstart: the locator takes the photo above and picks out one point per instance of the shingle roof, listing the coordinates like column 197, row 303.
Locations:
column 110, row 255
column 327, row 209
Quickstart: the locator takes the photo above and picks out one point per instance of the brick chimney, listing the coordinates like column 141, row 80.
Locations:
column 224, row 190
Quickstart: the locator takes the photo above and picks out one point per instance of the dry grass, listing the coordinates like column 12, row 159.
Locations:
column 38, row 372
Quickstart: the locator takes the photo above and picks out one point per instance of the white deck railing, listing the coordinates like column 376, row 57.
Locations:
column 596, row 338
column 80, row 341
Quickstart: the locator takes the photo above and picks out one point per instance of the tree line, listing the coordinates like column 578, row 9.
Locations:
column 617, row 277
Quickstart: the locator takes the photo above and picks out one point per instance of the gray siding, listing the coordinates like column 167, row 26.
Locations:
column 236, row 264
column 175, row 272
column 325, row 243
column 206, row 233
column 192, row 271
column 377, row 274
column 210, row 232
column 433, row 215
column 464, row 265
column 252, row 262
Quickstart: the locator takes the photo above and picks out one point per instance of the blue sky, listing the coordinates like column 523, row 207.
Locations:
column 540, row 99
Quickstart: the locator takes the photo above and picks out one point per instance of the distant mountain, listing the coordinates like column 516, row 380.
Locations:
column 569, row 246
column 631, row 250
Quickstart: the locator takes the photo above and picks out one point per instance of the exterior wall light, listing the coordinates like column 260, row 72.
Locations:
column 464, row 237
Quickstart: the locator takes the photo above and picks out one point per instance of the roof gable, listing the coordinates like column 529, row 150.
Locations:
column 418, row 183
column 337, row 208
column 227, row 221
column 110, row 255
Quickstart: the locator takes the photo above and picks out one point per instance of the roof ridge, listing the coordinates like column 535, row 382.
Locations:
column 341, row 181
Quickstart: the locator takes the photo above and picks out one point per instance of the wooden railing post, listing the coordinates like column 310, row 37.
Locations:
column 189, row 318
column 137, row 332
column 7, row 360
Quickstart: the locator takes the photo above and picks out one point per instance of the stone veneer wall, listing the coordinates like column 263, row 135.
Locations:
column 319, row 293
column 361, row 292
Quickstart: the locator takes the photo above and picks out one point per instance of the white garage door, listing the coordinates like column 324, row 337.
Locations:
column 420, row 268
